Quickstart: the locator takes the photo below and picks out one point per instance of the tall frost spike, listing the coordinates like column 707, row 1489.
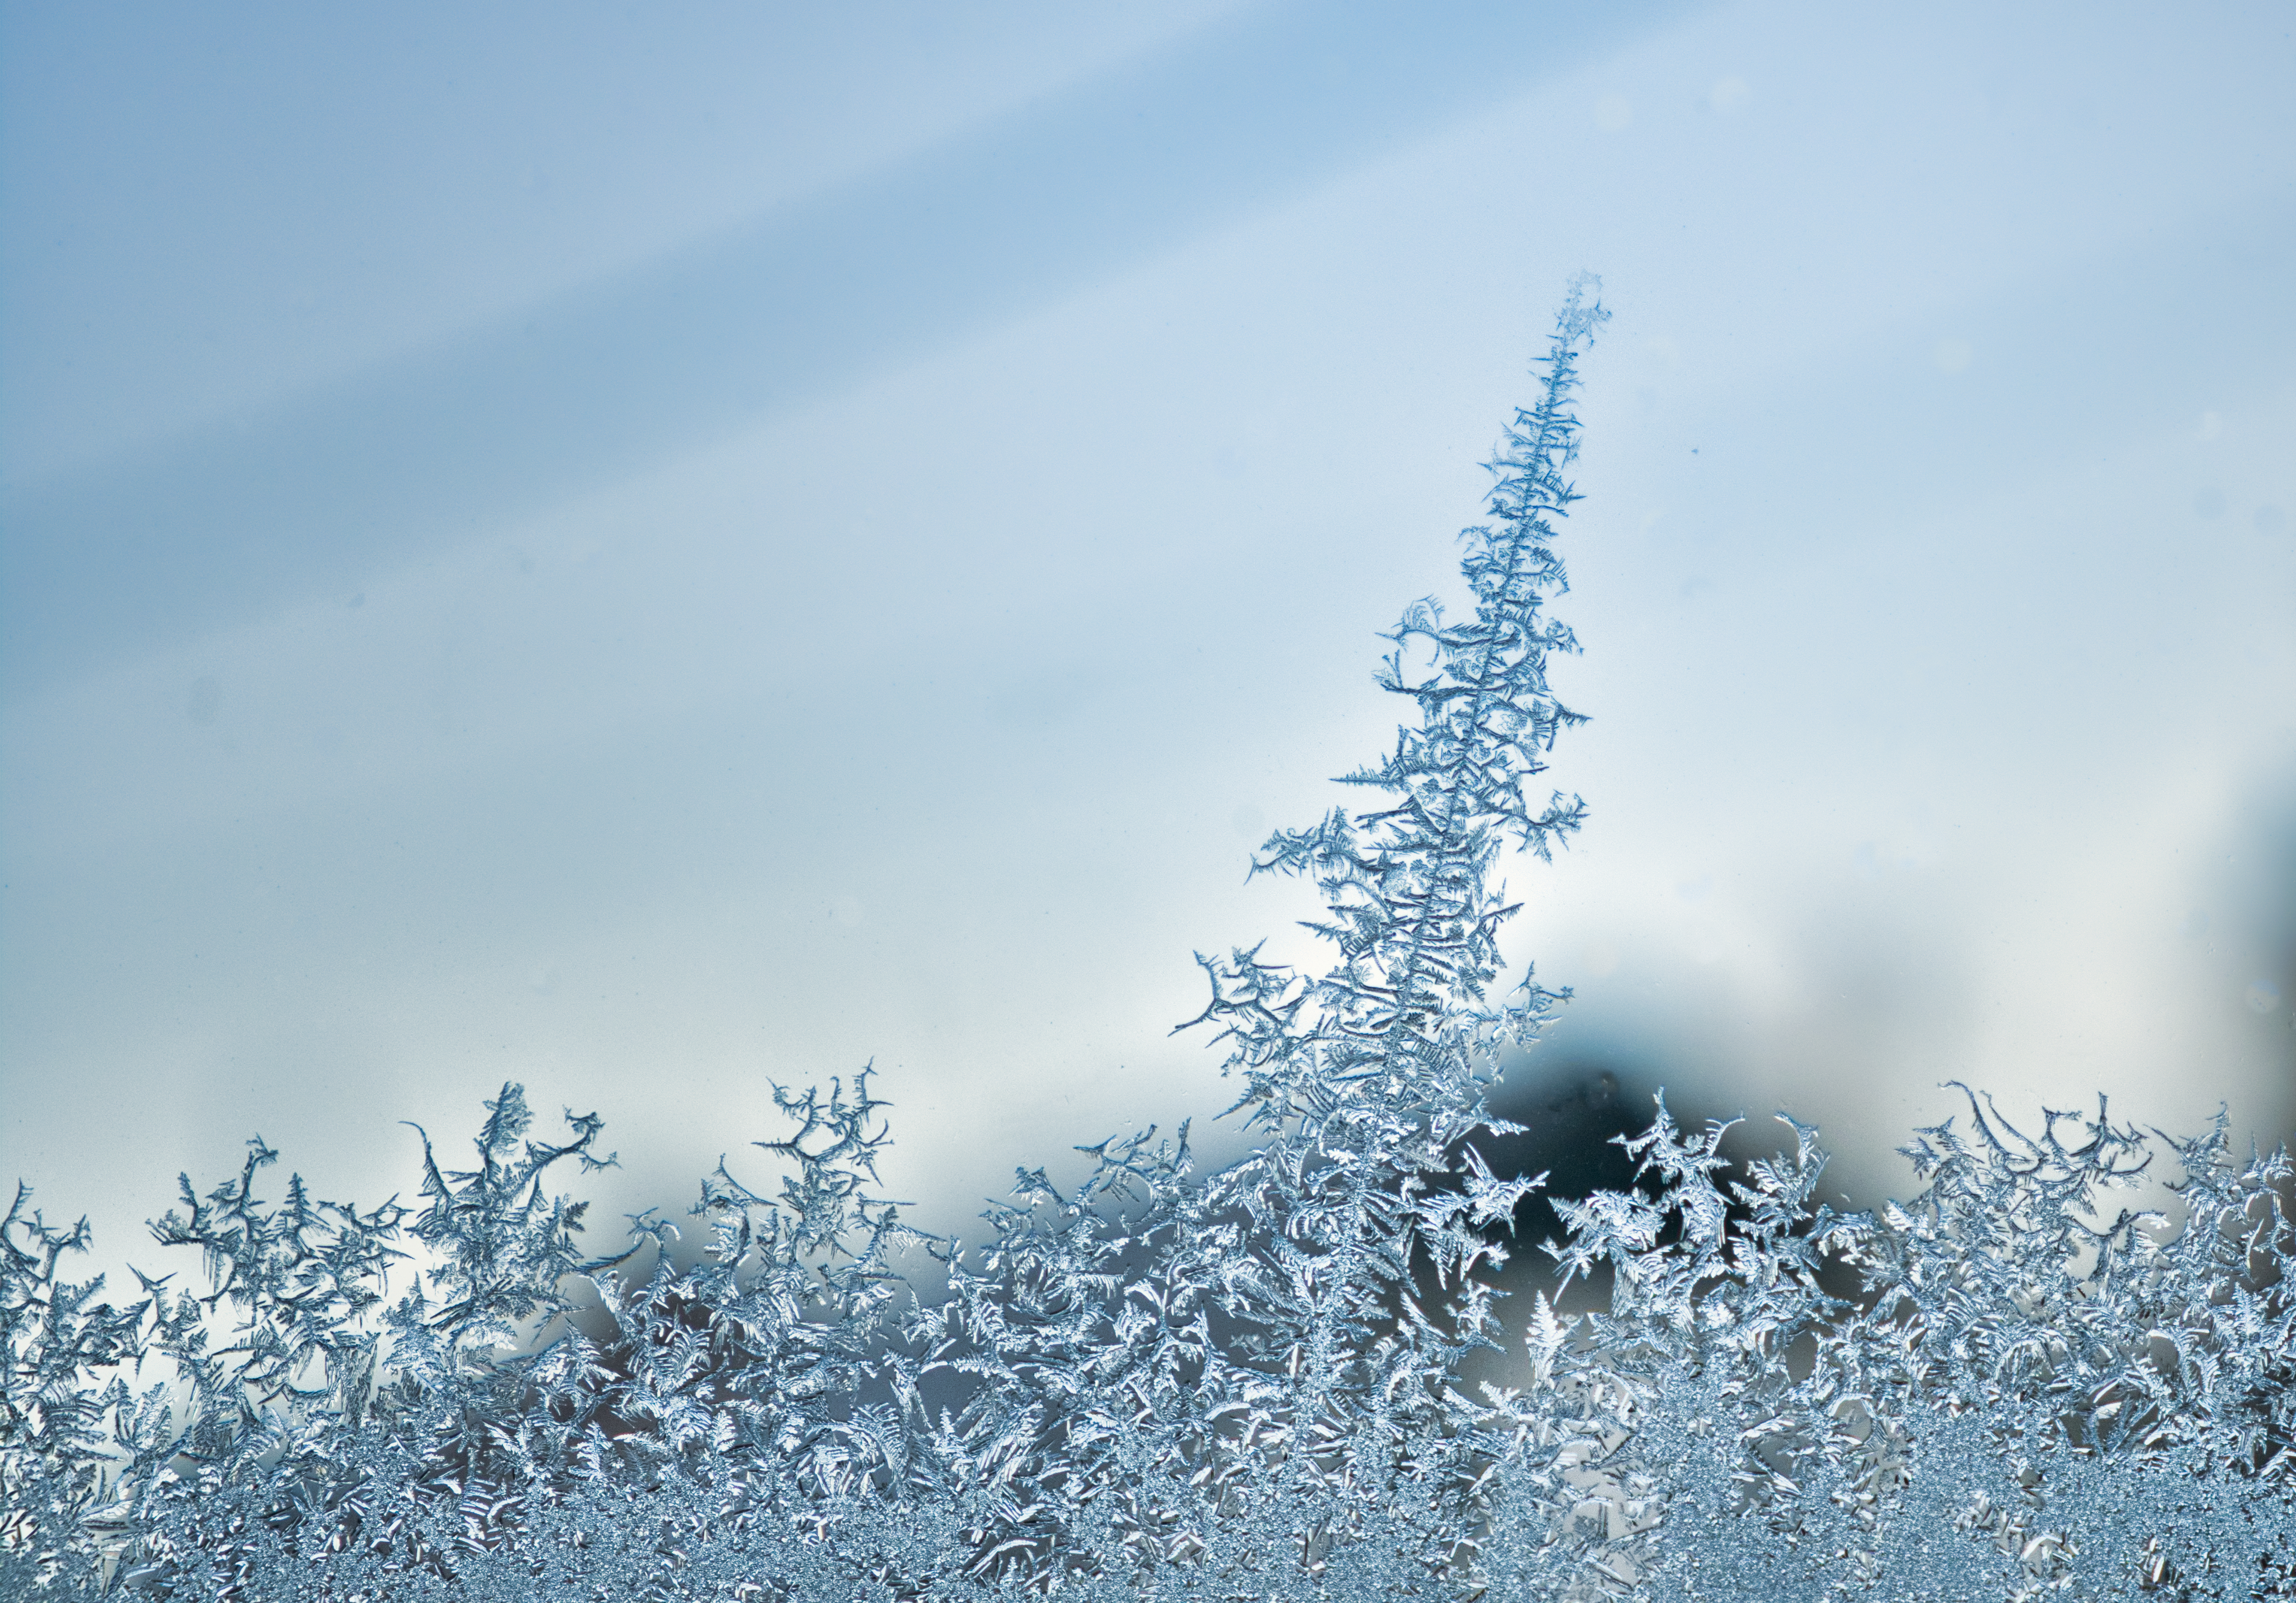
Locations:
column 1412, row 905
column 1367, row 1077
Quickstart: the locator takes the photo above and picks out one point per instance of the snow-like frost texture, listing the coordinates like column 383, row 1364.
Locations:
column 1241, row 1385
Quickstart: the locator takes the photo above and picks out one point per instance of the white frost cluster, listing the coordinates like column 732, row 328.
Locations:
column 1240, row 1385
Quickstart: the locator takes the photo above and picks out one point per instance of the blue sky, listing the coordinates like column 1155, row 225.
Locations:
column 644, row 554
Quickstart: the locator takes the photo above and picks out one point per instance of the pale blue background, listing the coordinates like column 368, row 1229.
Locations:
column 643, row 549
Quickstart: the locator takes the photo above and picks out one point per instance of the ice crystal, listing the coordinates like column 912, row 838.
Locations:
column 1240, row 1384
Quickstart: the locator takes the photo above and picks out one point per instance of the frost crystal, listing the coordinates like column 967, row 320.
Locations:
column 1244, row 1384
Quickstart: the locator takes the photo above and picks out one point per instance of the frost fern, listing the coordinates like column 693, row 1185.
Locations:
column 1241, row 1385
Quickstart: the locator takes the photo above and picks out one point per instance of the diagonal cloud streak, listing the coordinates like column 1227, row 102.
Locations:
column 321, row 491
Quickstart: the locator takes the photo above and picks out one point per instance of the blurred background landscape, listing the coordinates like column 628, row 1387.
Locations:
column 648, row 552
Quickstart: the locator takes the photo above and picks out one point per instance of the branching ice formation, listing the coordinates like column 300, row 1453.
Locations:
column 1243, row 1385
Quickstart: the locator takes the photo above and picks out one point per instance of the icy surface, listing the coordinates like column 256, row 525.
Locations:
column 1241, row 1385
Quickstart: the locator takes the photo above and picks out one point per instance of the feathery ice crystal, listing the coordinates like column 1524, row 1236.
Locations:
column 1244, row 1384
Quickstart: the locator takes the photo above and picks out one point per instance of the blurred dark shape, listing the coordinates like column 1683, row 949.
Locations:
column 1573, row 1109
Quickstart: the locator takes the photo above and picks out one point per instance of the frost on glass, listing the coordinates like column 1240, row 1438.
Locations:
column 1241, row 1385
